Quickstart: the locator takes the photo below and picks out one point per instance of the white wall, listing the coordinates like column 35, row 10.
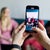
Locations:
column 18, row 7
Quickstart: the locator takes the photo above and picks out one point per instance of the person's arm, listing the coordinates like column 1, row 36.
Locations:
column 41, row 36
column 20, row 36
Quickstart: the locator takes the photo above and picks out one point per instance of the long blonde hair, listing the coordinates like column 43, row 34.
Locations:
column 5, row 22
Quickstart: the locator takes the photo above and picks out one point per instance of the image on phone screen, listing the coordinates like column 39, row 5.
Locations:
column 31, row 19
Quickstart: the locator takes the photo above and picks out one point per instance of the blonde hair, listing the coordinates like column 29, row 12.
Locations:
column 5, row 22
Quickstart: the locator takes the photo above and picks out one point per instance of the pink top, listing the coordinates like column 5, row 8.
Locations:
column 7, row 33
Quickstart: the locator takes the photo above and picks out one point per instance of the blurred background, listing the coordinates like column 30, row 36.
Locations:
column 18, row 7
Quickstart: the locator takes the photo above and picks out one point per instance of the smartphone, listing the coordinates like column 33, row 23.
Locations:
column 32, row 17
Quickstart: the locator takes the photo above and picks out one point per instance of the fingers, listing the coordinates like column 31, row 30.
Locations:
column 22, row 30
column 23, row 33
column 19, row 28
column 41, row 26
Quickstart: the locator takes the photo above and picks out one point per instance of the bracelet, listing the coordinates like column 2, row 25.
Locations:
column 16, row 46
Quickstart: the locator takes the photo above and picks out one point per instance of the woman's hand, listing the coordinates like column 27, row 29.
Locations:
column 20, row 35
column 41, row 36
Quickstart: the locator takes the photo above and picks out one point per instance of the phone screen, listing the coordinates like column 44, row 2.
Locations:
column 31, row 18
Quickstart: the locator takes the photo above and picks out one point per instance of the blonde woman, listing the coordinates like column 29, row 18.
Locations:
column 6, row 26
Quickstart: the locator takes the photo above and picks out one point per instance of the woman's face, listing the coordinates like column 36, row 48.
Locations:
column 7, row 13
